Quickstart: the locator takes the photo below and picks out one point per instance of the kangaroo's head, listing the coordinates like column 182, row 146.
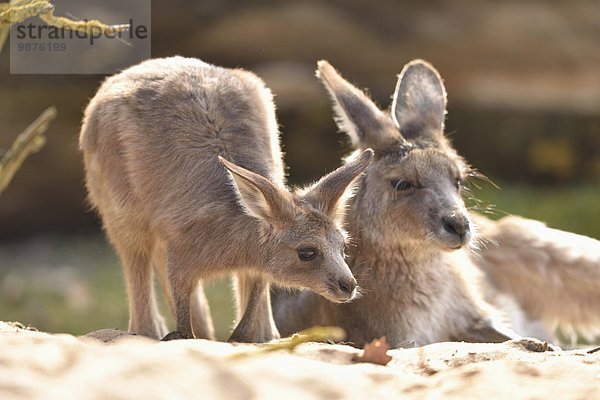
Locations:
column 411, row 193
column 301, row 232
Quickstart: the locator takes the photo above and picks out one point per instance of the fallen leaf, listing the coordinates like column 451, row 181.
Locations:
column 375, row 352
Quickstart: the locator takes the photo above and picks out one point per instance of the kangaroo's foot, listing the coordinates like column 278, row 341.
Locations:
column 253, row 334
column 256, row 324
column 486, row 331
column 175, row 335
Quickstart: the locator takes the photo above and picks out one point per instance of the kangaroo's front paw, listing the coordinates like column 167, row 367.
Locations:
column 533, row 345
column 175, row 335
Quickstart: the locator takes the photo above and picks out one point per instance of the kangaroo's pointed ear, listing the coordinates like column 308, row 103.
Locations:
column 419, row 105
column 356, row 114
column 259, row 197
column 331, row 192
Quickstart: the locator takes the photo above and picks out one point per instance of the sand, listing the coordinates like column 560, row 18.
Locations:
column 59, row 366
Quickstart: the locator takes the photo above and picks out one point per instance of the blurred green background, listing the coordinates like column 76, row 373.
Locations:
column 524, row 108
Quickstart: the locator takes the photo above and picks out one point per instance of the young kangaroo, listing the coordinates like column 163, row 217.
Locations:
column 409, row 224
column 160, row 140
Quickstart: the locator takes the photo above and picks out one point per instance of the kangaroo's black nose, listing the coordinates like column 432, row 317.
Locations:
column 347, row 285
column 456, row 224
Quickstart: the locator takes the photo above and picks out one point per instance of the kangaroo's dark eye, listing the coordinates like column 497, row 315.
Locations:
column 401, row 185
column 307, row 253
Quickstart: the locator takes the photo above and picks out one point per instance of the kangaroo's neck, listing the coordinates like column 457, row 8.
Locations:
column 242, row 234
column 254, row 243
column 407, row 253
column 374, row 264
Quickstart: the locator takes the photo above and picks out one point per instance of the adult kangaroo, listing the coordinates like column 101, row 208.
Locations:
column 422, row 279
column 408, row 223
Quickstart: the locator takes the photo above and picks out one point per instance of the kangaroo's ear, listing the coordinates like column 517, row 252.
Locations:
column 332, row 191
column 259, row 197
column 356, row 114
column 419, row 105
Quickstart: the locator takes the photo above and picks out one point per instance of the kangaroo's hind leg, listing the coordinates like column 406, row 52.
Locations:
column 135, row 251
column 202, row 323
column 255, row 317
column 184, row 271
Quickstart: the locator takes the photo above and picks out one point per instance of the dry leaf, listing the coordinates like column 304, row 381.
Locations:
column 375, row 352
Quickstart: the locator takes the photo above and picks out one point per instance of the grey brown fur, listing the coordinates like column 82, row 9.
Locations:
column 553, row 275
column 409, row 225
column 151, row 138
column 536, row 278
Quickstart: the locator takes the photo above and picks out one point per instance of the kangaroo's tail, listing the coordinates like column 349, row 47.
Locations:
column 554, row 275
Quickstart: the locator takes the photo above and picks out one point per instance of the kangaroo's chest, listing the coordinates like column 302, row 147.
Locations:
column 411, row 303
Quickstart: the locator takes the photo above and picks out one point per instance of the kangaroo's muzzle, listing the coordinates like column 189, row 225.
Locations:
column 457, row 229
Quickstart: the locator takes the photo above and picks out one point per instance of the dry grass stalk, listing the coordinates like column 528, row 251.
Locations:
column 315, row 334
column 28, row 142
column 21, row 10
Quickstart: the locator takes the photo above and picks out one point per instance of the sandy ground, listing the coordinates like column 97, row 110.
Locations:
column 39, row 365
